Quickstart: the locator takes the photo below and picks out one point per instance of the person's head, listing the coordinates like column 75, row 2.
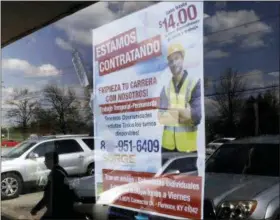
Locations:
column 175, row 59
column 51, row 159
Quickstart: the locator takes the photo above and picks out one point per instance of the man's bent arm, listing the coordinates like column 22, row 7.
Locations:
column 192, row 112
column 166, row 116
column 41, row 204
column 195, row 104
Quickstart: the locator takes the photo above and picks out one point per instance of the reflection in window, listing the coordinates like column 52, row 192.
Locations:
column 48, row 87
column 45, row 91
column 241, row 71
column 248, row 159
column 182, row 165
column 67, row 147
column 89, row 143
column 44, row 148
column 20, row 149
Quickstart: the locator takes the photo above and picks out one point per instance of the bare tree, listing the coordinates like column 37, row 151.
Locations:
column 88, row 105
column 88, row 110
column 22, row 109
column 228, row 95
column 64, row 104
column 44, row 121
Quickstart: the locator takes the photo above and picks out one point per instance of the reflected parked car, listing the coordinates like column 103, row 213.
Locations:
column 173, row 163
column 214, row 145
column 5, row 150
column 9, row 143
column 23, row 166
column 241, row 182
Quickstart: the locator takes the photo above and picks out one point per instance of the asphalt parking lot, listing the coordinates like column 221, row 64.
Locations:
column 20, row 207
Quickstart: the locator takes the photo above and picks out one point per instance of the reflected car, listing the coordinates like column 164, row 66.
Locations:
column 214, row 145
column 23, row 166
column 9, row 143
column 172, row 163
column 5, row 150
column 241, row 182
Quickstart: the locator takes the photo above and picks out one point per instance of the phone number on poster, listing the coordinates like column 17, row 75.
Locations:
column 139, row 145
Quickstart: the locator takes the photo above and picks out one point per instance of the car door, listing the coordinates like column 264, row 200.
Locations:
column 71, row 155
column 36, row 166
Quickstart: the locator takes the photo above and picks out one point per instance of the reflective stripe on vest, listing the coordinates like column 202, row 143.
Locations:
column 180, row 128
column 180, row 136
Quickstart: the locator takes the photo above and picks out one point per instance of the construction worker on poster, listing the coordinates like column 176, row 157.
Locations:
column 180, row 105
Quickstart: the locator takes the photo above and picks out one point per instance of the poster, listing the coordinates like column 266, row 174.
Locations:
column 148, row 101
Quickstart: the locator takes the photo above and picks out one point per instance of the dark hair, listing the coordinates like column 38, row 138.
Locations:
column 52, row 156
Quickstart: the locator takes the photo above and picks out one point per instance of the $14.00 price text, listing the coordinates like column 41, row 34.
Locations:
column 178, row 18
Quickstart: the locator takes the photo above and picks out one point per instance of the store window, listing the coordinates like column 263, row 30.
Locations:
column 66, row 79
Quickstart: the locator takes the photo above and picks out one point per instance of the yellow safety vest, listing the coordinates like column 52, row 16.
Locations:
column 182, row 137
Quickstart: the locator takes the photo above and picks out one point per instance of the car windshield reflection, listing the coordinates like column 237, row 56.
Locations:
column 247, row 159
column 19, row 150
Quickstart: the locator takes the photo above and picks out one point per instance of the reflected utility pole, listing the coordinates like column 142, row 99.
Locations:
column 85, row 77
column 256, row 110
column 80, row 68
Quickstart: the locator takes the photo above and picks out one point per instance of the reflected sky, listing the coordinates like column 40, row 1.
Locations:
column 45, row 56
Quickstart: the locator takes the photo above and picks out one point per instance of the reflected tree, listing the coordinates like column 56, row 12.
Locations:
column 260, row 115
column 64, row 105
column 22, row 109
column 229, row 97
column 44, row 121
column 87, row 109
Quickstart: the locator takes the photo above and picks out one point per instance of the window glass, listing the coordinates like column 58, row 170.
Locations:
column 89, row 143
column 44, row 148
column 49, row 89
column 262, row 159
column 67, row 147
column 182, row 165
column 235, row 86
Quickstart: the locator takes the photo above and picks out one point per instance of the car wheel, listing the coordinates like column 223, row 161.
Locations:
column 90, row 170
column 11, row 186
